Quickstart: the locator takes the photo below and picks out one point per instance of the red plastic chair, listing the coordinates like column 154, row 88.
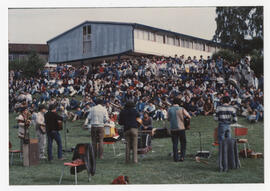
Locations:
column 12, row 152
column 215, row 143
column 241, row 131
column 75, row 164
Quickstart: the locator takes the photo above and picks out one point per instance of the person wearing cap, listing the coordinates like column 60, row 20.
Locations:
column 52, row 129
column 96, row 118
column 128, row 118
column 41, row 131
column 225, row 115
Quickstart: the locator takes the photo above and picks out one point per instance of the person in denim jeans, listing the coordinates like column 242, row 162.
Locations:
column 52, row 129
column 225, row 114
column 176, row 115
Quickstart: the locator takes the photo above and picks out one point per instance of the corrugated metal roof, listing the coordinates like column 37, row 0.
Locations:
column 140, row 26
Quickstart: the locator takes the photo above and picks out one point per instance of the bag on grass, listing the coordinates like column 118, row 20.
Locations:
column 121, row 180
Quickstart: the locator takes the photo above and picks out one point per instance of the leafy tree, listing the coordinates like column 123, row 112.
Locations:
column 256, row 62
column 29, row 66
column 34, row 64
column 228, row 55
column 240, row 27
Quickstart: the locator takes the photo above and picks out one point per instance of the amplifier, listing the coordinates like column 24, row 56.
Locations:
column 31, row 153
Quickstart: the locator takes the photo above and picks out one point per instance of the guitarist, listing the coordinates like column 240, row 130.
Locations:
column 52, row 129
column 41, row 131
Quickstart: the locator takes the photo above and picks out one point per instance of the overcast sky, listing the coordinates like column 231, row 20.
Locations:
column 40, row 25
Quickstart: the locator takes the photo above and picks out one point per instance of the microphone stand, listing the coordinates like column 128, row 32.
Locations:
column 65, row 133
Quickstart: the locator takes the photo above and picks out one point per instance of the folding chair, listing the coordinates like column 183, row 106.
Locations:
column 215, row 143
column 12, row 152
column 144, row 142
column 112, row 140
column 241, row 131
column 81, row 156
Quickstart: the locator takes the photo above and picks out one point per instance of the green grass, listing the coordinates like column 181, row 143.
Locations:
column 154, row 168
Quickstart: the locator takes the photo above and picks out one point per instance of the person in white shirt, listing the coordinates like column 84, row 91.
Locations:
column 97, row 117
column 41, row 131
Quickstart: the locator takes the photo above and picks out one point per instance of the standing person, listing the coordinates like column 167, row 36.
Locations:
column 52, row 128
column 23, row 121
column 176, row 116
column 97, row 117
column 128, row 118
column 41, row 131
column 225, row 114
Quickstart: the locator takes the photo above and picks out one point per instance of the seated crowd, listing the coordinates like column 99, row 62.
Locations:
column 152, row 82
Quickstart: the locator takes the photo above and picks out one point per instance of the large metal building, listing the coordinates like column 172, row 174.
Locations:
column 92, row 40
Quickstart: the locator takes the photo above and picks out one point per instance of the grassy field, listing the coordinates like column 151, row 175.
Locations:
column 156, row 167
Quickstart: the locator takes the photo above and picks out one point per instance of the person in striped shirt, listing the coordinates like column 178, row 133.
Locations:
column 225, row 115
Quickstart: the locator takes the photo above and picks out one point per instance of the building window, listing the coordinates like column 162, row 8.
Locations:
column 152, row 36
column 177, row 42
column 22, row 57
column 11, row 58
column 182, row 43
column 159, row 38
column 170, row 41
column 186, row 43
column 191, row 44
column 164, row 39
column 87, row 39
column 138, row 34
column 145, row 35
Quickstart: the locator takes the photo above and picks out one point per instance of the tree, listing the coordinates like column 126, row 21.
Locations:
column 29, row 66
column 240, row 27
column 33, row 65
column 228, row 55
column 256, row 62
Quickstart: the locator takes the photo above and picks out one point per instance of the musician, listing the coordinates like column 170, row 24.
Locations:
column 52, row 128
column 176, row 116
column 146, row 122
column 41, row 131
column 23, row 121
column 128, row 118
column 98, row 116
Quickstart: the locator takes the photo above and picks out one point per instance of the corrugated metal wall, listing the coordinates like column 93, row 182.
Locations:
column 107, row 39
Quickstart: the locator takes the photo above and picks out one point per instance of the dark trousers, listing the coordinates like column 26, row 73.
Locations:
column 97, row 134
column 181, row 136
column 54, row 135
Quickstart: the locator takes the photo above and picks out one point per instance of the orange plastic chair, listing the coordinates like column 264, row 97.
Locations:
column 12, row 152
column 239, row 132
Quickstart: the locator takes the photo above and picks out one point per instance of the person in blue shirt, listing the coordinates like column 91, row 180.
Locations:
column 176, row 115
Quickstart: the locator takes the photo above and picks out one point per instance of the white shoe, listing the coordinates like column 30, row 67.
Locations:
column 42, row 157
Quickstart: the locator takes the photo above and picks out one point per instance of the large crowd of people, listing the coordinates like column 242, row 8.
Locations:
column 151, row 82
